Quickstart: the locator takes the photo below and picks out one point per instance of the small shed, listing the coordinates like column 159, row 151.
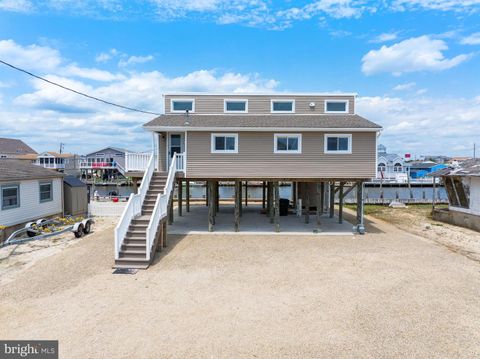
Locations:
column 462, row 183
column 75, row 196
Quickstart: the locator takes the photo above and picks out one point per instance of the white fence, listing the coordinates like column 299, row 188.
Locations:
column 106, row 209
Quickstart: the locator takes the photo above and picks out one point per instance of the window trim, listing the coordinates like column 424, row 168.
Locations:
column 172, row 100
column 282, row 100
column 7, row 186
column 275, row 143
column 346, row 102
column 212, row 142
column 40, row 183
column 342, row 135
column 235, row 100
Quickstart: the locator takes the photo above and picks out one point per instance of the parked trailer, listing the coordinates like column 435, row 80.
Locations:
column 40, row 229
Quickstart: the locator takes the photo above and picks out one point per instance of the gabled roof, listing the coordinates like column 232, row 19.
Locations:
column 14, row 146
column 118, row 149
column 15, row 170
column 56, row 154
column 261, row 122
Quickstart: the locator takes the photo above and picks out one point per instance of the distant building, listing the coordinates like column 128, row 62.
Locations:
column 422, row 169
column 391, row 166
column 57, row 161
column 28, row 192
column 12, row 148
column 462, row 184
column 107, row 163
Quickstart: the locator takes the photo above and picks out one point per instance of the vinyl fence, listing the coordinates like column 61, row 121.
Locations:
column 106, row 209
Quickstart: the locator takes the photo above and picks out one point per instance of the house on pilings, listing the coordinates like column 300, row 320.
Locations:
column 316, row 142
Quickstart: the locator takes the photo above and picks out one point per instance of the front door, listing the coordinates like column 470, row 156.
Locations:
column 175, row 144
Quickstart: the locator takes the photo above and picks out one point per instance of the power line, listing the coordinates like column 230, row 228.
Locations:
column 78, row 92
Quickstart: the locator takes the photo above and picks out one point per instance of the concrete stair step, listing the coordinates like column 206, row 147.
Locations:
column 131, row 263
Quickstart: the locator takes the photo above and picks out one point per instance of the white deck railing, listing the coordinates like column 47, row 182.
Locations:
column 134, row 206
column 161, row 205
column 136, row 161
column 180, row 162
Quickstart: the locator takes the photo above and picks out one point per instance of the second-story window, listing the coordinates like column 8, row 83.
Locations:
column 336, row 106
column 224, row 143
column 287, row 143
column 283, row 106
column 182, row 105
column 338, row 143
column 236, row 106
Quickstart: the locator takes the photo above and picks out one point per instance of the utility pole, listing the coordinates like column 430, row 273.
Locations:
column 61, row 147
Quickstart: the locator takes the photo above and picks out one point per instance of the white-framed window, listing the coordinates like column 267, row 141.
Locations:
column 10, row 196
column 287, row 143
column 336, row 106
column 235, row 105
column 338, row 143
column 182, row 105
column 224, row 143
column 282, row 106
column 46, row 191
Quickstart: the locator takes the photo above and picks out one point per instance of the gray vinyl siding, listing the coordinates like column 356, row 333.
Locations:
column 256, row 158
column 259, row 104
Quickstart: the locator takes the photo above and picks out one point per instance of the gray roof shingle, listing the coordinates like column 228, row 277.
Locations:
column 15, row 170
column 12, row 146
column 266, row 121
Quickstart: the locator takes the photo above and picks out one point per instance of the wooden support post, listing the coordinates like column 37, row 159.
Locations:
column 211, row 206
column 340, row 203
column 360, row 224
column 319, row 202
column 263, row 194
column 241, row 195
column 164, row 232
column 217, row 197
column 246, row 193
column 269, row 204
column 271, row 212
column 207, row 194
column 160, row 237
column 187, row 195
column 170, row 210
column 307, row 206
column 434, row 190
column 180, row 197
column 237, row 206
column 277, row 208
column 322, row 198
column 294, row 193
column 332, row 199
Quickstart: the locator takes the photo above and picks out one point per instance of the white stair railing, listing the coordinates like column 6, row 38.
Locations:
column 161, row 205
column 136, row 161
column 133, row 207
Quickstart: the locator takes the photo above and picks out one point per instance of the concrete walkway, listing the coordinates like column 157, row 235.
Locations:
column 254, row 222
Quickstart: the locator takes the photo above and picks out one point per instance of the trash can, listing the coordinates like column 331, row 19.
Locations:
column 284, row 206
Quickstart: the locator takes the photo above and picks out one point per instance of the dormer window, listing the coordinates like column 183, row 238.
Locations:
column 336, row 106
column 283, row 106
column 235, row 106
column 182, row 105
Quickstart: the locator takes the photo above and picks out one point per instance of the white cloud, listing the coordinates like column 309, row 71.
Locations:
column 441, row 5
column 16, row 5
column 404, row 119
column 415, row 54
column 132, row 60
column 385, row 37
column 404, row 87
column 46, row 114
column 473, row 39
column 32, row 57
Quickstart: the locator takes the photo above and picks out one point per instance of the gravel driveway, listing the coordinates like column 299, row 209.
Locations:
column 385, row 294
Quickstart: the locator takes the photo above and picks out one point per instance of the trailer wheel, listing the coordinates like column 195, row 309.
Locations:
column 79, row 232
column 31, row 233
column 87, row 228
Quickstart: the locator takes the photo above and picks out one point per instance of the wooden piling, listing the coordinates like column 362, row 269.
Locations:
column 340, row 203
column 277, row 208
column 322, row 198
column 332, row 199
column 164, row 232
column 180, row 197
column 263, row 194
column 211, row 206
column 246, row 193
column 307, row 207
column 237, row 206
column 187, row 195
column 170, row 210
column 319, row 202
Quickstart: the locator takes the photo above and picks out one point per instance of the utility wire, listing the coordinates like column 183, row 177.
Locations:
column 78, row 92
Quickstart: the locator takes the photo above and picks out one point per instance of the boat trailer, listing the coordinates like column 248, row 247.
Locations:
column 43, row 228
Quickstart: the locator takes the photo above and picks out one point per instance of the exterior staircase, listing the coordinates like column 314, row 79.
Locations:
column 133, row 249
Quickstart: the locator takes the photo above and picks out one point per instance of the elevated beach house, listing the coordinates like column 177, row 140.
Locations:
column 315, row 141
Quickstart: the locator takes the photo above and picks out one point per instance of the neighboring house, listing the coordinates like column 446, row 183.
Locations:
column 391, row 166
column 28, row 192
column 56, row 161
column 315, row 141
column 462, row 184
column 12, row 148
column 107, row 163
column 422, row 169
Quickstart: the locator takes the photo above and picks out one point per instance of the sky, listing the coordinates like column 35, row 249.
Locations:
column 415, row 64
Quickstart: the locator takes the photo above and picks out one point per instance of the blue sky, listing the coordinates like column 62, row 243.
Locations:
column 415, row 64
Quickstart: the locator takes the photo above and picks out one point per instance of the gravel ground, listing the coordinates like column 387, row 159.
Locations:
column 386, row 294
